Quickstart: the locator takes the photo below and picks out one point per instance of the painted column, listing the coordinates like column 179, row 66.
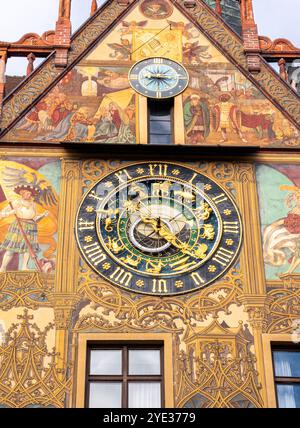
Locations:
column 64, row 299
column 255, row 299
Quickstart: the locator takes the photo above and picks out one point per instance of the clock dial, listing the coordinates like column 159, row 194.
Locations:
column 158, row 228
column 158, row 78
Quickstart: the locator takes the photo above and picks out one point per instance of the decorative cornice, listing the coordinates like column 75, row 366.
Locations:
column 278, row 47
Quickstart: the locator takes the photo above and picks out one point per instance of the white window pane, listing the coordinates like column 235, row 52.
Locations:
column 144, row 395
column 288, row 396
column 106, row 362
column 144, row 362
column 287, row 364
column 105, row 394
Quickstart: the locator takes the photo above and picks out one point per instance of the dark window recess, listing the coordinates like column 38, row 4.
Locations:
column 124, row 376
column 160, row 121
column 286, row 363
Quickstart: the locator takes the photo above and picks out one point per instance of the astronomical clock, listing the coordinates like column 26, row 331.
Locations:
column 158, row 228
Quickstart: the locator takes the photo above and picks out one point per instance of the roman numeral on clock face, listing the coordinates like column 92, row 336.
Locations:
column 197, row 278
column 158, row 169
column 121, row 276
column 220, row 198
column 159, row 286
column 223, row 256
column 85, row 225
column 231, row 226
column 94, row 253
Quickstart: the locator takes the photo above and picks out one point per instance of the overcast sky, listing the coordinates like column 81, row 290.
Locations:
column 275, row 18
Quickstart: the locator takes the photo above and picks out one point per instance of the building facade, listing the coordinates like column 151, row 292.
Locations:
column 150, row 212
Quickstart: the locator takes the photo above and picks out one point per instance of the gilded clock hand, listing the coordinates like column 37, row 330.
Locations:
column 165, row 232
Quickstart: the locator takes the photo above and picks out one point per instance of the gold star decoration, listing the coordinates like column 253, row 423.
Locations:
column 179, row 284
column 89, row 209
column 229, row 242
column 207, row 187
column 212, row 268
column 227, row 212
column 88, row 238
column 140, row 283
column 106, row 266
column 140, row 170
column 175, row 172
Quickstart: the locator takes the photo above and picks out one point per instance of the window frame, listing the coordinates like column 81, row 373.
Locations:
column 124, row 378
column 79, row 352
column 269, row 343
column 283, row 380
column 172, row 122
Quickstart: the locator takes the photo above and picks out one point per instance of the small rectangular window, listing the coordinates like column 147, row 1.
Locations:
column 286, row 364
column 124, row 375
column 160, row 121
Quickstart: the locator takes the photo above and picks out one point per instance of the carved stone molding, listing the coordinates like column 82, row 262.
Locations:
column 258, row 309
column 63, row 305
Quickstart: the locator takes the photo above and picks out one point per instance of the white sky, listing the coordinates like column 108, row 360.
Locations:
column 19, row 17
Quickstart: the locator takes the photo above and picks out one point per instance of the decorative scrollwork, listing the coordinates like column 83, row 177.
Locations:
column 25, row 289
column 284, row 310
column 26, row 377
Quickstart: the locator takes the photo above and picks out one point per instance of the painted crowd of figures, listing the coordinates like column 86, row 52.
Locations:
column 64, row 117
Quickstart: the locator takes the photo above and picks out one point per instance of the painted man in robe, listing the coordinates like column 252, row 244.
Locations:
column 196, row 119
column 25, row 209
column 225, row 115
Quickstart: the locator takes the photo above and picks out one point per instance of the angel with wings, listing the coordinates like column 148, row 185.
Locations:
column 22, row 235
column 194, row 53
column 122, row 51
column 130, row 27
column 185, row 28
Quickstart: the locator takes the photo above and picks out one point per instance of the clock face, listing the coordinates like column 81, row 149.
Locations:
column 158, row 228
column 158, row 78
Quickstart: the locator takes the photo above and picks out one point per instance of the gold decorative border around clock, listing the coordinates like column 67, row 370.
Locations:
column 197, row 171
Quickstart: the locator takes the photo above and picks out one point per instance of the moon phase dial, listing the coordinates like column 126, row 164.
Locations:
column 158, row 228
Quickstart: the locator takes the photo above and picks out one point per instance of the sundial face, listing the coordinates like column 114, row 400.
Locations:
column 158, row 228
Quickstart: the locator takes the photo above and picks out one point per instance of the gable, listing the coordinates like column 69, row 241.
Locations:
column 94, row 102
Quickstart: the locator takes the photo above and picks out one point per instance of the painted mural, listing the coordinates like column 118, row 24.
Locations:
column 89, row 104
column 279, row 197
column 95, row 103
column 29, row 198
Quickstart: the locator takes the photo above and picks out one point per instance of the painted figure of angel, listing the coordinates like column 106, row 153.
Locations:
column 194, row 53
column 122, row 51
column 22, row 235
column 130, row 27
column 283, row 236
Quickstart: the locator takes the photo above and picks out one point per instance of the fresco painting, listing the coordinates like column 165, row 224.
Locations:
column 95, row 103
column 279, row 198
column 90, row 104
column 29, row 198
